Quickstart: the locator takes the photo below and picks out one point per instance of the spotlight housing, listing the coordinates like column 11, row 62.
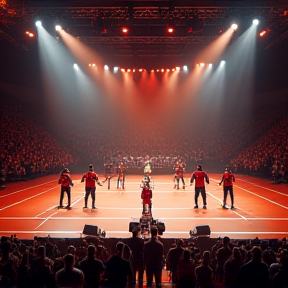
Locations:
column 38, row 23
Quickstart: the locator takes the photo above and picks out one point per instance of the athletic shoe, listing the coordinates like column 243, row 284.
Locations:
column 196, row 207
column 224, row 206
column 68, row 207
column 94, row 207
column 85, row 207
column 232, row 207
column 204, row 207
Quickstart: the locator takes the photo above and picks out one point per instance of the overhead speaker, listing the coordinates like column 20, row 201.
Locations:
column 201, row 231
column 134, row 226
column 91, row 230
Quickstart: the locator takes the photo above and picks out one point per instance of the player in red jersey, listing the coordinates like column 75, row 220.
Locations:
column 146, row 196
column 90, row 186
column 66, row 183
column 179, row 173
column 121, row 169
column 227, row 179
column 200, row 177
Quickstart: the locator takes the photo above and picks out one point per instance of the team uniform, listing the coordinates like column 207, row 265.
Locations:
column 200, row 177
column 227, row 179
column 90, row 179
column 179, row 175
column 66, row 184
column 121, row 175
column 146, row 196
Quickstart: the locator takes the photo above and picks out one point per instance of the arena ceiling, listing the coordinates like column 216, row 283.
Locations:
column 98, row 24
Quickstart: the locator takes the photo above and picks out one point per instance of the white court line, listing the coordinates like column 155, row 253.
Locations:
column 275, row 191
column 124, row 218
column 46, row 219
column 273, row 202
column 16, row 203
column 244, row 218
column 15, row 192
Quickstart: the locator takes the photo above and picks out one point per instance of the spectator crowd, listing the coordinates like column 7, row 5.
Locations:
column 89, row 262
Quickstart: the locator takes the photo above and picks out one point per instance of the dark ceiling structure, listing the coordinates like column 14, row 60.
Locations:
column 98, row 24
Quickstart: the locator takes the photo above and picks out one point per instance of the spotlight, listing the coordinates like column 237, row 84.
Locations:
column 234, row 26
column 38, row 23
column 255, row 22
column 128, row 70
column 222, row 62
column 76, row 67
column 185, row 68
column 168, row 70
column 177, row 68
column 58, row 28
column 170, row 30
column 125, row 30
column 115, row 69
column 202, row 64
column 122, row 70
column 152, row 71
column 162, row 70
column 263, row 33
column 106, row 67
column 210, row 65
column 140, row 70
column 31, row 35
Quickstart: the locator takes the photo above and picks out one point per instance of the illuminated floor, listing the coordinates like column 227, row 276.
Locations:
column 30, row 208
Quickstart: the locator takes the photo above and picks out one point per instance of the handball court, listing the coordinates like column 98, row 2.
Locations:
column 30, row 208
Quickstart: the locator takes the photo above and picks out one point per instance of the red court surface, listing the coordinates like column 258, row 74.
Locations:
column 29, row 208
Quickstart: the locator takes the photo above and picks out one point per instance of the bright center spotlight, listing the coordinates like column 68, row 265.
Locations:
column 115, row 69
column 185, row 68
column 222, row 62
column 234, row 26
column 125, row 30
column 38, row 23
column 255, row 22
column 106, row 67
column 210, row 65
column 76, row 67
column 202, row 64
column 170, row 30
column 58, row 28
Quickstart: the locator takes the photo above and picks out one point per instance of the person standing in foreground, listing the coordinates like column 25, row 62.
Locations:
column 90, row 187
column 66, row 184
column 153, row 257
column 228, row 178
column 200, row 177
